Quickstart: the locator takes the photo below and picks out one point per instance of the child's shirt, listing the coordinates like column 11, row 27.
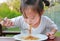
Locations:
column 46, row 25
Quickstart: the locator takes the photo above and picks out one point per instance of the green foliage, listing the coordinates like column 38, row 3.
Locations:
column 14, row 3
column 6, row 12
column 57, row 34
column 13, row 14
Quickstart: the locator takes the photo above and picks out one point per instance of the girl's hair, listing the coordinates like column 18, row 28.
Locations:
column 36, row 4
column 32, row 2
column 47, row 3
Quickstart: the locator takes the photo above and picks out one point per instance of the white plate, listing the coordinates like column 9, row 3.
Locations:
column 41, row 36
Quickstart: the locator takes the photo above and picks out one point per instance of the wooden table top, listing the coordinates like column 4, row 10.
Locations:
column 56, row 39
column 11, row 39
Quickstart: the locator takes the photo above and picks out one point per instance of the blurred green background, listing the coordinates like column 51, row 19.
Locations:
column 9, row 9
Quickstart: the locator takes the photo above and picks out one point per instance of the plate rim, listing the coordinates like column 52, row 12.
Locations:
column 14, row 37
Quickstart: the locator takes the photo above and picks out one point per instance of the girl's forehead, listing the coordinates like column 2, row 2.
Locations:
column 30, row 8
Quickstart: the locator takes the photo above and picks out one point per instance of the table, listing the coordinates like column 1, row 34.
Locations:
column 11, row 39
column 56, row 39
column 5, row 32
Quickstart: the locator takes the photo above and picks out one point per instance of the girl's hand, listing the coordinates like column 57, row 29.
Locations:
column 7, row 22
column 50, row 35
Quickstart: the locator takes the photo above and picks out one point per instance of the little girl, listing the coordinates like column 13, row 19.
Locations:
column 32, row 14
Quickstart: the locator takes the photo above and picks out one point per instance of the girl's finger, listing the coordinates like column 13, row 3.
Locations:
column 11, row 24
column 51, row 37
column 5, row 19
column 47, row 33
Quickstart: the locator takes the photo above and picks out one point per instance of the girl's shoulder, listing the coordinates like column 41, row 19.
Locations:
column 17, row 18
column 46, row 18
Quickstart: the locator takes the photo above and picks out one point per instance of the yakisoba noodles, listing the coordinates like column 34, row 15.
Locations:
column 30, row 37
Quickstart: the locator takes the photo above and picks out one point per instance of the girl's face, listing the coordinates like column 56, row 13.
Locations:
column 30, row 13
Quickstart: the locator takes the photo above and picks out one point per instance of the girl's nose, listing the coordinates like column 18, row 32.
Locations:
column 29, row 21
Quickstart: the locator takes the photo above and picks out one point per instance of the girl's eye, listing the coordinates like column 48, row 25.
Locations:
column 24, row 16
column 32, row 17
